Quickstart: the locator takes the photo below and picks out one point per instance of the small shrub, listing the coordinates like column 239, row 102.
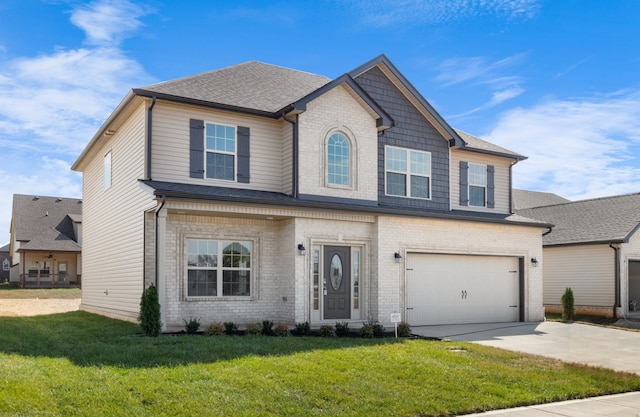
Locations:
column 303, row 329
column 404, row 330
column 192, row 326
column 281, row 330
column 254, row 329
column 378, row 330
column 214, row 329
column 568, row 308
column 230, row 328
column 267, row 327
column 366, row 331
column 149, row 316
column 327, row 330
column 342, row 329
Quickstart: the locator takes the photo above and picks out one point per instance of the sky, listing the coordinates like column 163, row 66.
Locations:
column 555, row 80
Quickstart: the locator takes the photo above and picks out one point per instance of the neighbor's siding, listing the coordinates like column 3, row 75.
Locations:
column 113, row 223
column 587, row 269
column 170, row 146
column 501, row 178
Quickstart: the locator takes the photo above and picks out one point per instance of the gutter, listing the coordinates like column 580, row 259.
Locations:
column 149, row 132
column 156, row 273
column 616, row 277
column 294, row 183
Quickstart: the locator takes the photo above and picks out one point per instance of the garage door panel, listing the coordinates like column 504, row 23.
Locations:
column 449, row 289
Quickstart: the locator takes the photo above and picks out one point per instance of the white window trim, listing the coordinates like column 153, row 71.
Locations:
column 234, row 154
column 253, row 269
column 407, row 173
column 470, row 184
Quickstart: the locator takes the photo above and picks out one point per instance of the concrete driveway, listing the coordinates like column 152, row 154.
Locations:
column 570, row 342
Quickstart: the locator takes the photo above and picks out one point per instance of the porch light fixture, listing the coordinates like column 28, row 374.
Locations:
column 397, row 257
column 534, row 262
column 301, row 249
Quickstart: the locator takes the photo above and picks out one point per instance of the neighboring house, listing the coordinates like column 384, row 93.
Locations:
column 5, row 263
column 593, row 248
column 259, row 192
column 524, row 199
column 45, row 241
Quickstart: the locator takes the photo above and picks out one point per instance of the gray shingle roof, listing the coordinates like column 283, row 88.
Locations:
column 524, row 199
column 600, row 220
column 475, row 143
column 44, row 222
column 5, row 248
column 250, row 85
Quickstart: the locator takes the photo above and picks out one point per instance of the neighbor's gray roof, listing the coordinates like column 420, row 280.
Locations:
column 524, row 199
column 250, row 85
column 479, row 145
column 5, row 248
column 600, row 220
column 44, row 222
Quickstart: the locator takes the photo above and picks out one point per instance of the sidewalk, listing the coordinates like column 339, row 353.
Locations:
column 619, row 405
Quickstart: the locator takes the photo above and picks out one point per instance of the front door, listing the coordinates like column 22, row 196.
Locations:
column 337, row 282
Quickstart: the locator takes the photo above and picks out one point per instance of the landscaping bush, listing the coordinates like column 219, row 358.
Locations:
column 230, row 328
column 215, row 329
column 267, row 327
column 568, row 308
column 404, row 330
column 327, row 330
column 192, row 325
column 366, row 331
column 149, row 316
column 281, row 330
column 342, row 329
column 303, row 329
column 378, row 330
column 254, row 329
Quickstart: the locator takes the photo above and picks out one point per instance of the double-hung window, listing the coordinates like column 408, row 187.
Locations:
column 5, row 265
column 220, row 145
column 218, row 268
column 477, row 185
column 338, row 164
column 407, row 173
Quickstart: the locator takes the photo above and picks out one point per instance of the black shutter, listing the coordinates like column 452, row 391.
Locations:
column 243, row 154
column 491, row 203
column 464, row 183
column 196, row 148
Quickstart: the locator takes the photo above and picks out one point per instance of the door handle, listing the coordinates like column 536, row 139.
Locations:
column 514, row 306
column 409, row 308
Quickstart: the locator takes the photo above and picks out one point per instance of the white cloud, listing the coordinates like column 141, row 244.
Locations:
column 578, row 148
column 382, row 13
column 52, row 104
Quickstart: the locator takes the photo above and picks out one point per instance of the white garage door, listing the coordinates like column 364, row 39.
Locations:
column 455, row 289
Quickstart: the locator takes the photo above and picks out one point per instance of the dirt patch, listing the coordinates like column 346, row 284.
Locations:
column 37, row 306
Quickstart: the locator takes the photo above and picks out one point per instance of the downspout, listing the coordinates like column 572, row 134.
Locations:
column 616, row 278
column 147, row 174
column 156, row 244
column 294, row 183
column 548, row 231
column 511, row 187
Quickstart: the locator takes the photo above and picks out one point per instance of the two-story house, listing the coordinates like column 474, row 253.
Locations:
column 259, row 192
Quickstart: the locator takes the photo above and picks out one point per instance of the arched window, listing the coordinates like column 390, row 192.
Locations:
column 338, row 160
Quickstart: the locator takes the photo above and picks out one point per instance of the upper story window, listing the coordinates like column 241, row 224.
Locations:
column 407, row 173
column 220, row 151
column 218, row 268
column 338, row 160
column 107, row 170
column 5, row 265
column 477, row 185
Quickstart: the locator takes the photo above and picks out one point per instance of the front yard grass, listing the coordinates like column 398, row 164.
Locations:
column 87, row 365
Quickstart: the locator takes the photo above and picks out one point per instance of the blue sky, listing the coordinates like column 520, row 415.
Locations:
column 555, row 80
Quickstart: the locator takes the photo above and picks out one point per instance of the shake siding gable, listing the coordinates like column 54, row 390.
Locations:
column 113, row 232
column 172, row 149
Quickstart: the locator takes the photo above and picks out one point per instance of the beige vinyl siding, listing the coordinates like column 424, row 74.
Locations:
column 501, row 177
column 113, row 257
column 170, row 146
column 587, row 269
column 287, row 158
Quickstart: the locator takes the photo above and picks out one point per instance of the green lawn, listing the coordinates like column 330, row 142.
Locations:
column 79, row 364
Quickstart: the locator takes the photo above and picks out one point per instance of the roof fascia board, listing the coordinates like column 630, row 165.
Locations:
column 384, row 121
column 382, row 59
column 517, row 157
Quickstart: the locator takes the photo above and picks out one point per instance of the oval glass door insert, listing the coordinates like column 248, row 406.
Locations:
column 336, row 272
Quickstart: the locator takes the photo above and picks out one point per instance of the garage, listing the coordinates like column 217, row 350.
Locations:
column 457, row 289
